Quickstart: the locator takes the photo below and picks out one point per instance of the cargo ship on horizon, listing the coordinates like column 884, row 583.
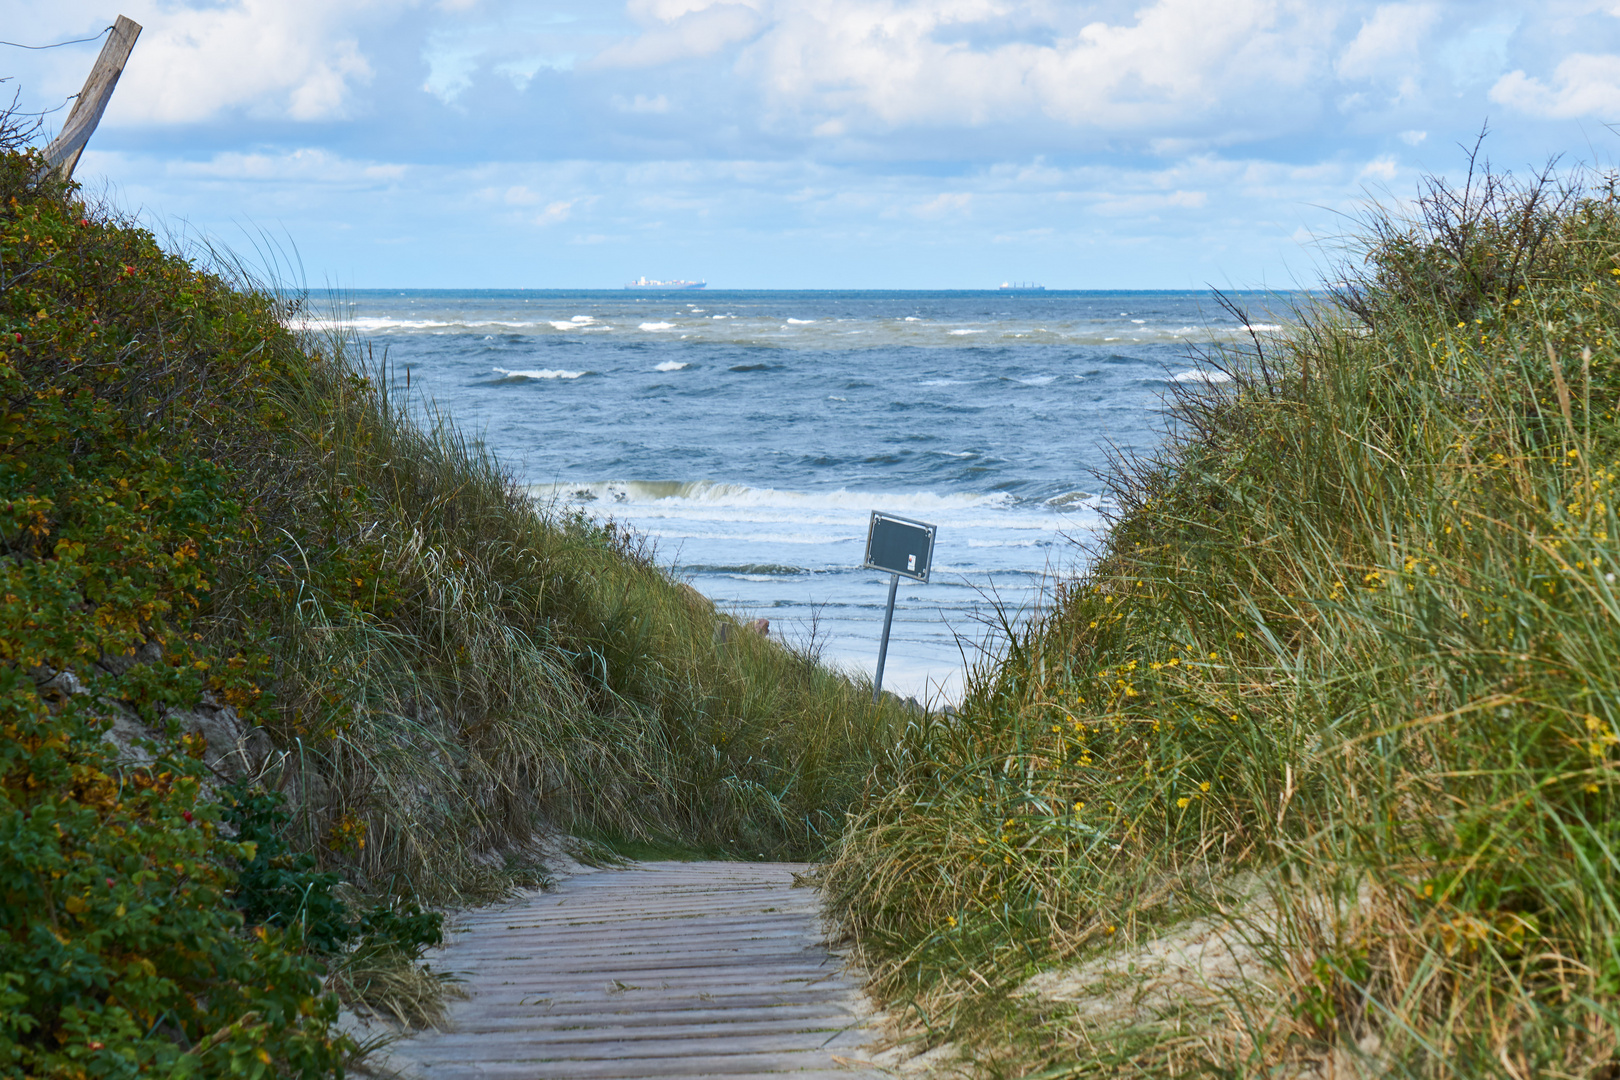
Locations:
column 1021, row 287
column 649, row 283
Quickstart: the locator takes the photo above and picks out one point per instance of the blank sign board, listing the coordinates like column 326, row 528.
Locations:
column 899, row 546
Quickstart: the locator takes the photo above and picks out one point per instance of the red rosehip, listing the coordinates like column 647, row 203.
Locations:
column 186, row 814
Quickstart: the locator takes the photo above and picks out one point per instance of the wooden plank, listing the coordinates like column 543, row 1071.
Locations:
column 682, row 969
column 595, row 1041
column 829, row 1017
column 724, row 1065
column 542, row 1005
column 63, row 152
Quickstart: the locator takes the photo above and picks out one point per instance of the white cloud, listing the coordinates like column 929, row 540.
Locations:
column 1413, row 138
column 303, row 166
column 641, row 103
column 689, row 31
column 1381, row 168
column 275, row 59
column 555, row 212
column 947, row 204
column 1389, row 41
column 880, row 64
column 1583, row 84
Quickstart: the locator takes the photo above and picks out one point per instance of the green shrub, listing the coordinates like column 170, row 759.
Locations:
column 123, row 953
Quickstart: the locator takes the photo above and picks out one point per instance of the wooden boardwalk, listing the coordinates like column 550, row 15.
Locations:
column 655, row 970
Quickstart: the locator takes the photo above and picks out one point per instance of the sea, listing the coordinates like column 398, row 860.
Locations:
column 750, row 435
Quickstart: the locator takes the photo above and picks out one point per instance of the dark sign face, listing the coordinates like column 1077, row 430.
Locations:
column 899, row 546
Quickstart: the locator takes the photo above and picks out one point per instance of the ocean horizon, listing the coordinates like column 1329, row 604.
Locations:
column 750, row 433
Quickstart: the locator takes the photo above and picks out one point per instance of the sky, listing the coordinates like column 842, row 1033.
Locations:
column 812, row 143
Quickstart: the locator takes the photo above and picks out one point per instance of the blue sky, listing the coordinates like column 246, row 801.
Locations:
column 813, row 143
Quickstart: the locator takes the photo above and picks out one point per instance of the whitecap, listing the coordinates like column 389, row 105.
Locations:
column 582, row 319
column 368, row 323
column 542, row 373
column 959, row 333
column 1263, row 328
column 685, row 496
column 1138, row 322
column 565, row 326
column 1037, row 380
column 800, row 322
column 912, row 318
column 1210, row 377
column 716, row 316
column 657, row 326
column 670, row 365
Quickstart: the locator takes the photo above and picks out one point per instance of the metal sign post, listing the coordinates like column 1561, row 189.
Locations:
column 904, row 548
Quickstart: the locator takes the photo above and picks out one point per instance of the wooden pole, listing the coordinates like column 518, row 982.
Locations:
column 63, row 152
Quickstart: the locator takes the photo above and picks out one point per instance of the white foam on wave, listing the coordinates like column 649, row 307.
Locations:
column 800, row 322
column 541, row 373
column 1139, row 322
column 671, row 494
column 912, row 318
column 670, row 365
column 1262, row 328
column 961, row 333
column 655, row 326
column 582, row 319
column 1195, row 375
column 370, row 323
column 373, row 324
column 1038, row 380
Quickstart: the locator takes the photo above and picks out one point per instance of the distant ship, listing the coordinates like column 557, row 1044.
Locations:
column 1021, row 286
column 649, row 283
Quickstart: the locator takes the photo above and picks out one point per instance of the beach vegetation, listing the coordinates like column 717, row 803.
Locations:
column 288, row 664
column 1313, row 771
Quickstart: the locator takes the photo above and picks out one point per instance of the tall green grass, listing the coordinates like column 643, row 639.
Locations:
column 1345, row 677
column 215, row 502
column 498, row 667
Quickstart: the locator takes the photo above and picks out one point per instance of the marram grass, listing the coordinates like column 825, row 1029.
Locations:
column 1343, row 684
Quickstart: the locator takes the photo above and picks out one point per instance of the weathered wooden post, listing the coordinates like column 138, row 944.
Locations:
column 63, row 152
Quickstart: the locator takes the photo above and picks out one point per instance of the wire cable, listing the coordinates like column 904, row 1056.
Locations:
column 59, row 44
column 47, row 112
